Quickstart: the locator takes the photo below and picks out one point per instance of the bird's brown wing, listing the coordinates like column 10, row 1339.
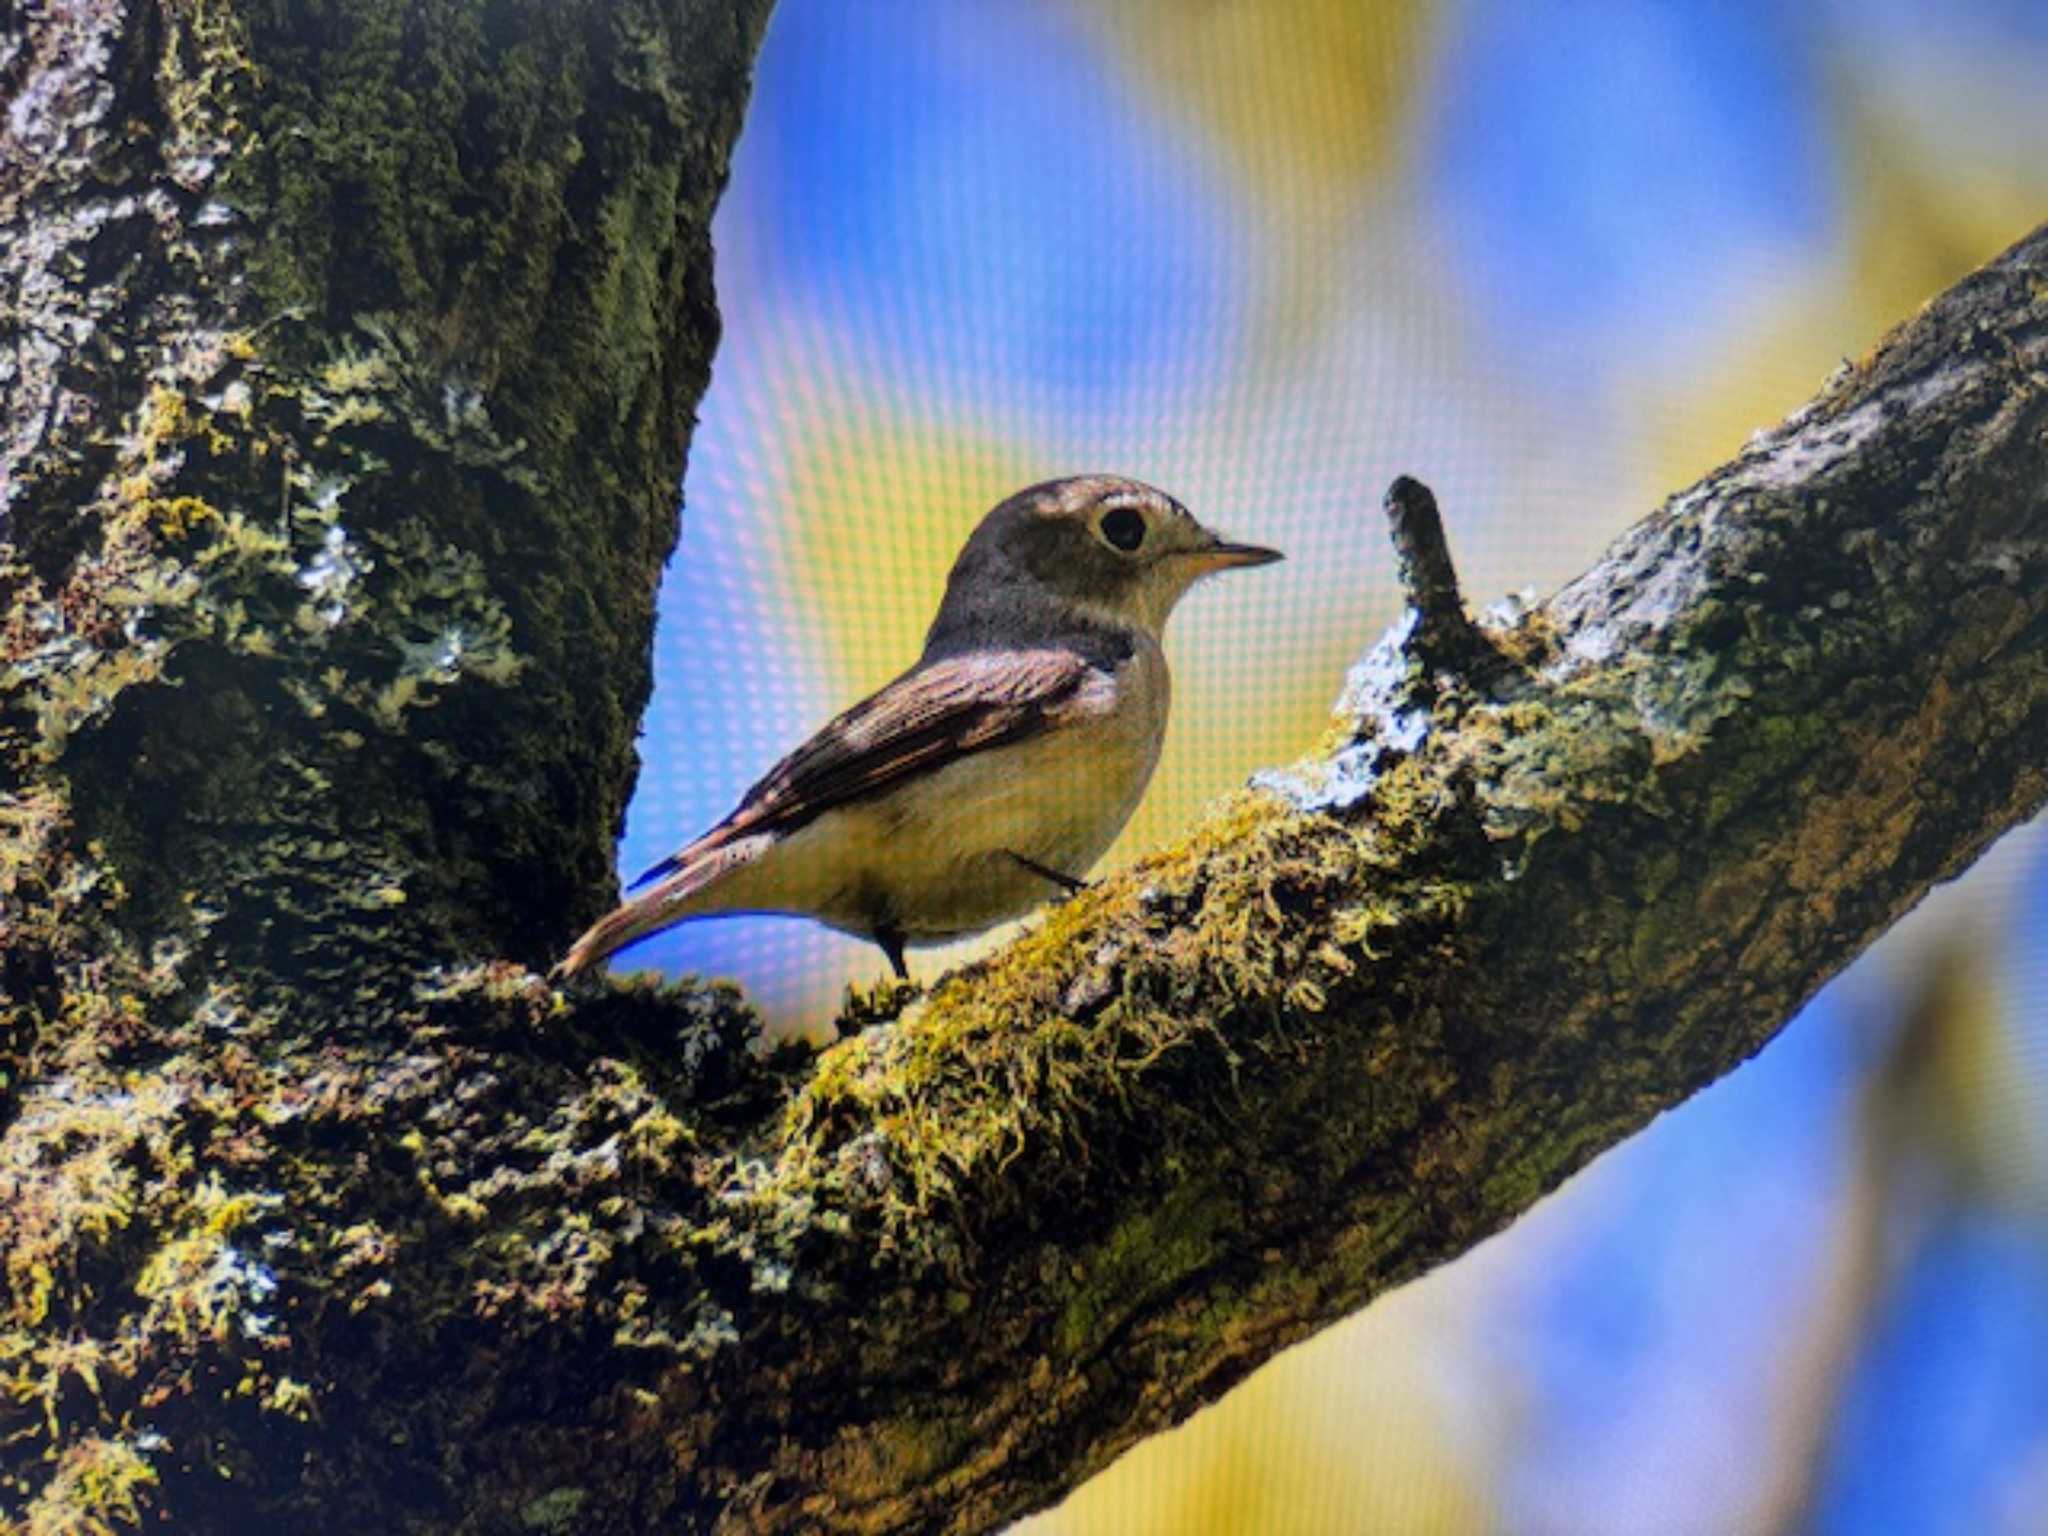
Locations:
column 924, row 719
column 928, row 717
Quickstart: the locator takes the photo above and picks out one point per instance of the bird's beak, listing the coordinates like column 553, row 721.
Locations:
column 1224, row 556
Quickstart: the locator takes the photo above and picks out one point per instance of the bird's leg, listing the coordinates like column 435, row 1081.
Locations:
column 1064, row 881
column 890, row 938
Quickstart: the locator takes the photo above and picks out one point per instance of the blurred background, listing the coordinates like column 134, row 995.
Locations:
column 1557, row 261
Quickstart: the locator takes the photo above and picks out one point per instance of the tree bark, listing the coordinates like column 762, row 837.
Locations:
column 353, row 354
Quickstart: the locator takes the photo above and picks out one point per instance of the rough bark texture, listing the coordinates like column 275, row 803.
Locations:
column 351, row 359
column 348, row 358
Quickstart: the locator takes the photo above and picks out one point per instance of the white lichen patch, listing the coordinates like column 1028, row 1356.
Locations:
column 331, row 576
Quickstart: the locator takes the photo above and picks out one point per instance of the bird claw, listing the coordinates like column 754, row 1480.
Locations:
column 1069, row 885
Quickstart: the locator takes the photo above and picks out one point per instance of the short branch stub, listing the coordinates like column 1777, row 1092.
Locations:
column 1444, row 636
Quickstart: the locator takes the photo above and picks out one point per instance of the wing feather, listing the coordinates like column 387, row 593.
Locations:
column 927, row 717
column 931, row 715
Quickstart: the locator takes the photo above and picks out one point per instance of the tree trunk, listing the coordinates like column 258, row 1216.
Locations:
column 353, row 359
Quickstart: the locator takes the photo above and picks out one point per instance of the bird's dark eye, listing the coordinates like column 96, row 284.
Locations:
column 1123, row 528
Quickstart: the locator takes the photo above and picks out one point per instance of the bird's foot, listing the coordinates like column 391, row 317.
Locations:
column 1069, row 885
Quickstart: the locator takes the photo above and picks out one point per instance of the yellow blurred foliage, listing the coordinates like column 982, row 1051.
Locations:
column 1305, row 104
column 1965, row 1098
column 1927, row 195
column 877, row 507
column 1306, row 101
column 1318, row 1443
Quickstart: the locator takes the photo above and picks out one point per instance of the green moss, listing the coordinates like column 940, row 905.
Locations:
column 961, row 1085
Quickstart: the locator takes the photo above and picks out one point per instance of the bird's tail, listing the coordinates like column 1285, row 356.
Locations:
column 680, row 893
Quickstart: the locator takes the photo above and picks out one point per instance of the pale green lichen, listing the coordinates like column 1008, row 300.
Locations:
column 97, row 1488
column 555, row 1511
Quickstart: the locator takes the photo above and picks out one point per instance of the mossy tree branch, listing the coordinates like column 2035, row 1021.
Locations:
column 1549, row 877
column 340, row 451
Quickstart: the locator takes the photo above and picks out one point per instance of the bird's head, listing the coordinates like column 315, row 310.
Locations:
column 1106, row 548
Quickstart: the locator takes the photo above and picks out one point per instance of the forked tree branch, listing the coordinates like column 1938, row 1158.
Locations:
column 310, row 1218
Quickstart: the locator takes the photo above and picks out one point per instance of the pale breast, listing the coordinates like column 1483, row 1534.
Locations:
column 933, row 857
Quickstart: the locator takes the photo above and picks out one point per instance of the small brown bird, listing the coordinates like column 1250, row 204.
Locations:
column 995, row 772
